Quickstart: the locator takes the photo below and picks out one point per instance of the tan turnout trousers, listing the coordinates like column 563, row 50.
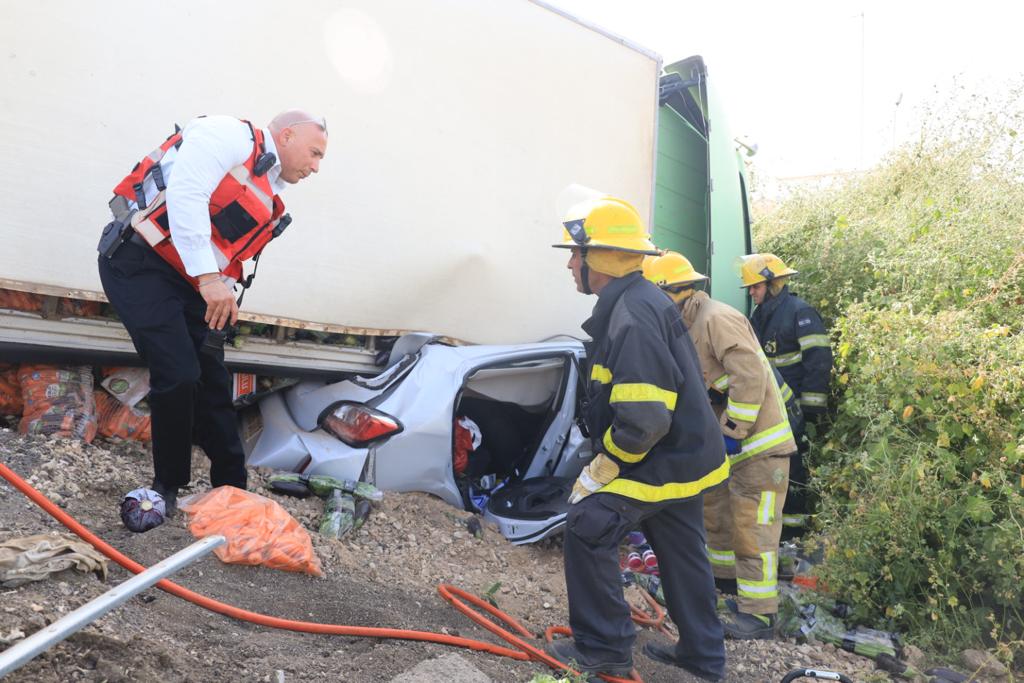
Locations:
column 743, row 519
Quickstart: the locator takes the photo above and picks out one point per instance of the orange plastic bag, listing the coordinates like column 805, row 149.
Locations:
column 258, row 530
column 33, row 303
column 58, row 401
column 77, row 308
column 10, row 390
column 21, row 301
column 117, row 419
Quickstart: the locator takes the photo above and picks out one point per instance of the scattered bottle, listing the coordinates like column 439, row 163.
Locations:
column 650, row 560
column 634, row 562
column 339, row 514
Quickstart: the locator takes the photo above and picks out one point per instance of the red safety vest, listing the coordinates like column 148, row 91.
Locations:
column 245, row 214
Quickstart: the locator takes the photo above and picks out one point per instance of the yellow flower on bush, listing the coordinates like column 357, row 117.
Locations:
column 996, row 331
column 977, row 382
column 907, row 412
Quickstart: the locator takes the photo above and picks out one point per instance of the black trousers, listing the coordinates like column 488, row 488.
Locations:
column 598, row 613
column 796, row 500
column 190, row 389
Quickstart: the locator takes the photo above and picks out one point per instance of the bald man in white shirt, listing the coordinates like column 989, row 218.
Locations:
column 185, row 219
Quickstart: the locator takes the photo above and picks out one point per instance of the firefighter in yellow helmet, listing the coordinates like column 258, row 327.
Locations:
column 795, row 341
column 657, row 449
column 744, row 519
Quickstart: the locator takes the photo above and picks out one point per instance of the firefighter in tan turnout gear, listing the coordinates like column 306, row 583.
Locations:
column 744, row 519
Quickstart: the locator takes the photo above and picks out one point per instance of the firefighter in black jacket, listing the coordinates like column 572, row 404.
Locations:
column 796, row 343
column 658, row 447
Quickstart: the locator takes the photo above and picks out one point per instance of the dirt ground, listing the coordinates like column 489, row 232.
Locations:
column 386, row 574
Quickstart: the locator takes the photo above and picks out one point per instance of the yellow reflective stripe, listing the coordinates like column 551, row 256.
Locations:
column 810, row 398
column 652, row 493
column 637, row 392
column 624, row 456
column 767, row 587
column 795, row 520
column 812, row 340
column 722, row 558
column 786, row 360
column 762, row 441
column 746, row 412
column 770, row 437
column 722, row 383
column 766, row 510
column 601, row 374
column 776, row 390
column 747, row 589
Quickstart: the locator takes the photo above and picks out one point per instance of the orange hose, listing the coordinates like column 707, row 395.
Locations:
column 451, row 593
column 656, row 622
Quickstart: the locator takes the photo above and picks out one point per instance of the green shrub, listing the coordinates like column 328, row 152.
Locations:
column 921, row 501
column 919, row 267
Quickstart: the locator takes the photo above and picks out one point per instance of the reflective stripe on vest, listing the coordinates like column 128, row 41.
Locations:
column 677, row 490
column 624, row 456
column 722, row 383
column 600, row 373
column 787, row 359
column 762, row 441
column 744, row 412
column 642, row 393
column 812, row 340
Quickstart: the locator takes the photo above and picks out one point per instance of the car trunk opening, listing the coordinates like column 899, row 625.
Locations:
column 507, row 427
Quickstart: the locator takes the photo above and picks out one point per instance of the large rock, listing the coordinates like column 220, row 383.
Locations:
column 450, row 668
column 984, row 663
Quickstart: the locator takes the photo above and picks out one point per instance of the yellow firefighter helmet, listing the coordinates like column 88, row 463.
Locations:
column 606, row 223
column 671, row 269
column 755, row 268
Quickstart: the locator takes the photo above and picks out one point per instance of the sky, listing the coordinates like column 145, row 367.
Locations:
column 829, row 86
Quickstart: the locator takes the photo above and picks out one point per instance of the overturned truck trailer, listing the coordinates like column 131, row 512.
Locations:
column 435, row 205
column 454, row 128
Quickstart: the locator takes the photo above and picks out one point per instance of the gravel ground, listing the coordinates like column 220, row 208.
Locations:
column 386, row 574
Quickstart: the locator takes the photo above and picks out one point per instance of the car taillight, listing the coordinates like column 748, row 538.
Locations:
column 357, row 424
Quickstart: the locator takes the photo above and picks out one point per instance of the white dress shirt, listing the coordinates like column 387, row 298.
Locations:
column 211, row 146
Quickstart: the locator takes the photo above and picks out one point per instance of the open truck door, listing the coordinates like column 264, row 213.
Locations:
column 700, row 197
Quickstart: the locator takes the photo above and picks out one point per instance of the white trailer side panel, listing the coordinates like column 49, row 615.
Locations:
column 454, row 124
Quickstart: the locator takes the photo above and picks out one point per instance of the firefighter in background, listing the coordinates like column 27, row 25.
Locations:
column 657, row 448
column 796, row 343
column 744, row 519
column 185, row 219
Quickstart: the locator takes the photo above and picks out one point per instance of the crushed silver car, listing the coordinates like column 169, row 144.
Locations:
column 515, row 460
